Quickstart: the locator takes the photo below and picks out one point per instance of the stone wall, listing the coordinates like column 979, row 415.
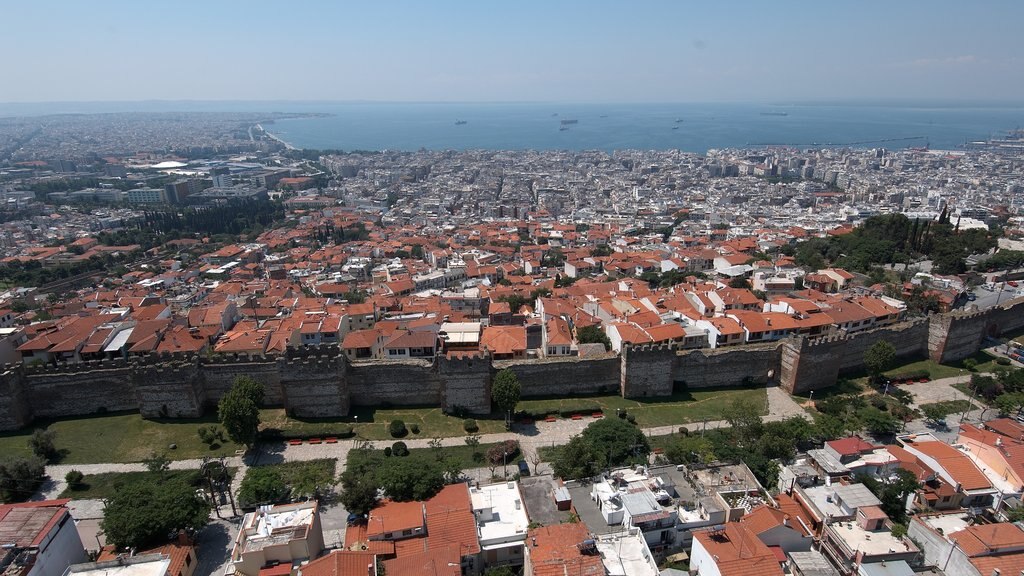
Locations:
column 725, row 367
column 465, row 382
column 313, row 387
column 220, row 373
column 398, row 382
column 647, row 371
column 79, row 390
column 565, row 376
column 14, row 412
column 813, row 364
column 320, row 382
column 170, row 390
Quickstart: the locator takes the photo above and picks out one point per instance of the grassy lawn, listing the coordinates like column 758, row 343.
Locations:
column 372, row 422
column 680, row 408
column 119, row 437
column 464, row 455
column 99, row 486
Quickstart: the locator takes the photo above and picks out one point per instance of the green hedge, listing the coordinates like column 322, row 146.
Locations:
column 583, row 409
column 339, row 430
column 911, row 375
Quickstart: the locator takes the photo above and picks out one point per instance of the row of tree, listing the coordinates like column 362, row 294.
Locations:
column 894, row 238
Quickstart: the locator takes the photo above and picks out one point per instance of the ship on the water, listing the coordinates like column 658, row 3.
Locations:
column 460, row 122
column 774, row 113
column 567, row 122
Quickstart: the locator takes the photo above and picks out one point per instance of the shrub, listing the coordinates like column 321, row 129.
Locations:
column 684, row 431
column 42, row 444
column 1003, row 361
column 74, row 479
column 414, row 428
column 469, row 425
column 971, row 364
column 503, row 452
column 397, row 429
column 623, row 414
column 911, row 375
column 879, row 402
column 388, row 451
column 631, row 418
column 399, row 449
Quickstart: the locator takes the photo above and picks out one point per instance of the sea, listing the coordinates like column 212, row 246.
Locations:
column 690, row 127
column 686, row 127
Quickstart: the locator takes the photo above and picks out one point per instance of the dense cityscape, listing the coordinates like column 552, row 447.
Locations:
column 503, row 362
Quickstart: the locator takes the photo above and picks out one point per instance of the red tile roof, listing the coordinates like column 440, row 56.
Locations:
column 738, row 551
column 554, row 551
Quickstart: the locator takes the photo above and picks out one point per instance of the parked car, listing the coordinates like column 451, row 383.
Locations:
column 524, row 468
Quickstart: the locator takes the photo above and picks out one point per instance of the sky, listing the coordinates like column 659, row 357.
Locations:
column 570, row 51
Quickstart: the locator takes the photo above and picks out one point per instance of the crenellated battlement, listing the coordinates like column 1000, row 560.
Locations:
column 320, row 380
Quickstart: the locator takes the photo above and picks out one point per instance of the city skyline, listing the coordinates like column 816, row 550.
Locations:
column 569, row 52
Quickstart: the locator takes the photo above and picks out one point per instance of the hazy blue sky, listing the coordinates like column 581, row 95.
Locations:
column 583, row 51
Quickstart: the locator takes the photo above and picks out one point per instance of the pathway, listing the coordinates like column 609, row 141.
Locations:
column 530, row 437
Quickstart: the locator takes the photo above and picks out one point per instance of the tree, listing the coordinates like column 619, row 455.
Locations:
column 1010, row 403
column 505, row 392
column 879, row 423
column 593, row 334
column 744, row 417
column 251, row 389
column 936, row 412
column 20, row 477
column 879, row 358
column 576, row 460
column 405, row 479
column 893, row 494
column 690, row 449
column 239, row 412
column 42, row 444
column 262, row 485
column 144, row 512
column 157, row 463
column 74, row 479
column 358, row 492
column 616, row 441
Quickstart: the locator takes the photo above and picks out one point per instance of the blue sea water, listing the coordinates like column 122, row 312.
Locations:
column 401, row 126
column 411, row 126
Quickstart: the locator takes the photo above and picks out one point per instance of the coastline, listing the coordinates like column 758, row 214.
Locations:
column 276, row 138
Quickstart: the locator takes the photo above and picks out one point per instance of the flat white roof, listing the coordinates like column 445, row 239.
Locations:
column 626, row 554
column 501, row 513
column 143, row 565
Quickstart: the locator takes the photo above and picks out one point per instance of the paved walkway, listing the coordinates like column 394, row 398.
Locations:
column 530, row 437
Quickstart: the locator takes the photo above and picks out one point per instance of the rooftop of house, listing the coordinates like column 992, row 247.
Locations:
column 737, row 551
column 27, row 524
column 140, row 565
column 501, row 514
column 555, row 551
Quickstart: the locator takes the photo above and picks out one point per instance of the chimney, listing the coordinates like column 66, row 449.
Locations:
column 183, row 538
column 371, row 569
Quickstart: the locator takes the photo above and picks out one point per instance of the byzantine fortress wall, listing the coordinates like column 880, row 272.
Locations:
column 322, row 382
